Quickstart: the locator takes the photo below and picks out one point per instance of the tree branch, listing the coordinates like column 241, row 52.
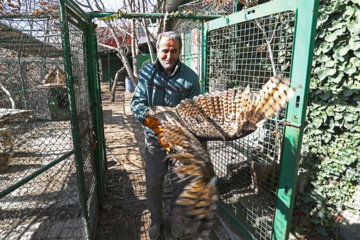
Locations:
column 268, row 43
column 9, row 95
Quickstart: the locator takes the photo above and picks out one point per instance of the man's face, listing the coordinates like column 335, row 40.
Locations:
column 168, row 53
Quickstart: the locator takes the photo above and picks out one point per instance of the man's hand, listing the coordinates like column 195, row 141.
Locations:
column 154, row 125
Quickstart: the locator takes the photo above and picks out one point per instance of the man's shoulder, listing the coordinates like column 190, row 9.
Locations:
column 147, row 67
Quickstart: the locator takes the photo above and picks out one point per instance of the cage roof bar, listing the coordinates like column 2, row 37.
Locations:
column 154, row 15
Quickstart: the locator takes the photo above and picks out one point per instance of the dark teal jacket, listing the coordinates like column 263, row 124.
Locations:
column 154, row 89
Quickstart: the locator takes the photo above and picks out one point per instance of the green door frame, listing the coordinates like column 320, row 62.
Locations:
column 84, row 23
column 305, row 24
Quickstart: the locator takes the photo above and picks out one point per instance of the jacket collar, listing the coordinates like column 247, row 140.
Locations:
column 159, row 67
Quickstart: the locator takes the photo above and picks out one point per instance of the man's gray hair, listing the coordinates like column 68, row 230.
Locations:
column 172, row 35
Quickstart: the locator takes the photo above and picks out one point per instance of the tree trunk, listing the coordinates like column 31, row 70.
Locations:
column 148, row 40
column 122, row 55
column 134, row 48
column 113, row 87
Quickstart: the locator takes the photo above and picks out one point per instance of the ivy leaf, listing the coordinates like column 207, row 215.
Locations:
column 355, row 61
column 323, row 58
column 327, row 137
column 343, row 50
column 348, row 92
column 322, row 74
column 354, row 27
column 340, row 106
column 350, row 69
column 326, row 46
column 354, row 44
column 332, row 36
column 349, row 117
column 338, row 116
column 337, row 78
column 325, row 96
column 348, row 13
column 317, row 122
column 322, row 18
column 357, row 53
column 339, row 57
column 330, row 63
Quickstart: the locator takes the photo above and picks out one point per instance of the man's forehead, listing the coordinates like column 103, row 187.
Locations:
column 165, row 39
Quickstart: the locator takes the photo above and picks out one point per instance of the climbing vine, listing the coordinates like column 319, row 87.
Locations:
column 331, row 143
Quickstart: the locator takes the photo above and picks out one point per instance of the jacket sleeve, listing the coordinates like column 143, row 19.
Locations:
column 139, row 102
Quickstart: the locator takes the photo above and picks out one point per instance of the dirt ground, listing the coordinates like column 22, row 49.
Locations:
column 125, row 214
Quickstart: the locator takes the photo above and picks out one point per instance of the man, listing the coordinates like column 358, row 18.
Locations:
column 163, row 83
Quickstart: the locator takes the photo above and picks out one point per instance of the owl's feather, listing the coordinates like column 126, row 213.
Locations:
column 226, row 115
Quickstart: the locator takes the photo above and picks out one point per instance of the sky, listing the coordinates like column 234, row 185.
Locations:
column 112, row 5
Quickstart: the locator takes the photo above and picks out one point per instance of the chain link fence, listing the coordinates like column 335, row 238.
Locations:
column 40, row 195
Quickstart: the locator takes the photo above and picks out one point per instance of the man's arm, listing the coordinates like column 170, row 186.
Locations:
column 195, row 90
column 139, row 102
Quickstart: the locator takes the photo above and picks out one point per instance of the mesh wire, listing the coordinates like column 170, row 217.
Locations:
column 38, row 129
column 237, row 56
column 191, row 30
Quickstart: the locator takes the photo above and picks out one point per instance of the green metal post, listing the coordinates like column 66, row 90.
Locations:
column 74, row 121
column 154, row 15
column 300, row 75
column 75, row 7
column 22, row 82
column 204, row 30
column 95, row 109
column 9, row 76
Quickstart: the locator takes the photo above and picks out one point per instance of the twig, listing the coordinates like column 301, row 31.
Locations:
column 268, row 42
column 107, row 46
column 9, row 95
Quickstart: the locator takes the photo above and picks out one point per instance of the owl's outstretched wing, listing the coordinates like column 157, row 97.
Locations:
column 233, row 114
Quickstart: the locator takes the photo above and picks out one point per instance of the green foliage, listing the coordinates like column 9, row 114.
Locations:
column 332, row 134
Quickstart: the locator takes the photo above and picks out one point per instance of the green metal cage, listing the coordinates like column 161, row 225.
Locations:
column 52, row 160
column 257, row 174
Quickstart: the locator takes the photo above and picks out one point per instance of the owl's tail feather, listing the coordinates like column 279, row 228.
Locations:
column 196, row 204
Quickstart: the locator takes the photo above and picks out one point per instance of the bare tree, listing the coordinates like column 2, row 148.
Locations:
column 116, row 28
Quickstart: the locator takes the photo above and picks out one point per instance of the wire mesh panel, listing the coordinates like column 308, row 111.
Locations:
column 246, row 49
column 191, row 30
column 39, row 191
column 35, row 113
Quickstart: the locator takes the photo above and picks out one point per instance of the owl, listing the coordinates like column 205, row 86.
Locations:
column 49, row 77
column 226, row 115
